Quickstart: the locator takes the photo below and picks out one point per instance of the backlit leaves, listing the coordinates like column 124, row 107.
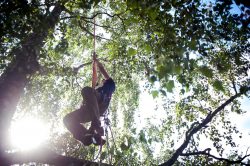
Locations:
column 131, row 51
column 170, row 85
column 218, row 85
column 206, row 71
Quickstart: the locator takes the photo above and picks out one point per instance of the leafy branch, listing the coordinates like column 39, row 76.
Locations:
column 196, row 126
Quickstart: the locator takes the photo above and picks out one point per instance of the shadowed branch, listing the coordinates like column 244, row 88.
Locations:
column 206, row 152
column 195, row 128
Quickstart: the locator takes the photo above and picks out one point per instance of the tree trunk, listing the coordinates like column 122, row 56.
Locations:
column 17, row 74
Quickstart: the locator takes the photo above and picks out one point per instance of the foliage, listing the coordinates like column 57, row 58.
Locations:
column 198, row 52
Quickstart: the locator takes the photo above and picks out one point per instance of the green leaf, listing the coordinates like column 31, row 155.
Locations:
column 206, row 71
column 170, row 85
column 104, row 155
column 244, row 89
column 147, row 48
column 177, row 69
column 217, row 84
column 163, row 92
column 124, row 147
column 192, row 44
column 142, row 137
column 131, row 52
column 153, row 14
column 152, row 79
column 154, row 93
column 132, row 4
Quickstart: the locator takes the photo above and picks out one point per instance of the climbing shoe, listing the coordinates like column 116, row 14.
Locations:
column 97, row 140
column 96, row 130
column 87, row 139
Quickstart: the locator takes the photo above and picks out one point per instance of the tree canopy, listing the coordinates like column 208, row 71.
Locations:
column 191, row 55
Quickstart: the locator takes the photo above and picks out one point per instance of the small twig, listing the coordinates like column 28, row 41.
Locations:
column 234, row 86
column 76, row 69
column 247, row 150
column 98, row 25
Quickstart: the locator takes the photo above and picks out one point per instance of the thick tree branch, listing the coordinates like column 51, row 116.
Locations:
column 45, row 156
column 194, row 129
column 206, row 153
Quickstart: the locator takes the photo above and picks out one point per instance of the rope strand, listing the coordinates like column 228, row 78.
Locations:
column 94, row 35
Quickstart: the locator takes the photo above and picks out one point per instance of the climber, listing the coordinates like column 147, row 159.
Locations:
column 95, row 103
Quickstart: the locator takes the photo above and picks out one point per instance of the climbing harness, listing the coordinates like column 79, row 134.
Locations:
column 106, row 127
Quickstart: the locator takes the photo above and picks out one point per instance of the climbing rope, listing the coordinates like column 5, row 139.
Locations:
column 94, row 75
column 94, row 35
column 106, row 120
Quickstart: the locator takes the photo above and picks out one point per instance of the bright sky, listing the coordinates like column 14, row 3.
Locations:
column 28, row 133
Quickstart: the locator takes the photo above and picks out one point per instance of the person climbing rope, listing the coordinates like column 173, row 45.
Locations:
column 95, row 103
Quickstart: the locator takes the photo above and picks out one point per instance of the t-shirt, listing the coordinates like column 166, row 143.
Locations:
column 105, row 92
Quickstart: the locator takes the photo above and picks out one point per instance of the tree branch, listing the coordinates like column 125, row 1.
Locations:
column 76, row 69
column 234, row 86
column 98, row 25
column 45, row 156
column 217, row 158
column 94, row 15
column 90, row 33
column 195, row 129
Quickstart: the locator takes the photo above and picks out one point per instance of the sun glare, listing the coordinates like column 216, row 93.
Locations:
column 28, row 133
